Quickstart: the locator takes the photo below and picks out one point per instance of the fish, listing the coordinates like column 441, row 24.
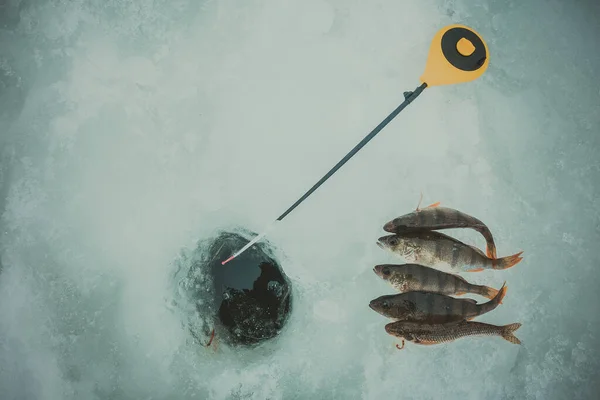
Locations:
column 433, row 308
column 434, row 217
column 429, row 334
column 415, row 277
column 430, row 248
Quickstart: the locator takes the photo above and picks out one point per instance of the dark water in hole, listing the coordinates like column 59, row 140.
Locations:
column 248, row 300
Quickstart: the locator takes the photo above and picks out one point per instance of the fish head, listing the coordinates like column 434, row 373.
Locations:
column 381, row 305
column 389, row 242
column 391, row 306
column 383, row 271
column 391, row 272
column 403, row 246
column 401, row 329
column 402, row 223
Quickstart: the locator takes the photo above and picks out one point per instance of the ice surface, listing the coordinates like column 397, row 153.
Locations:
column 131, row 129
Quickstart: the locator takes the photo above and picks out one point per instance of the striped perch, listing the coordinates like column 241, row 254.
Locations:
column 431, row 248
column 415, row 277
column 432, row 308
column 434, row 218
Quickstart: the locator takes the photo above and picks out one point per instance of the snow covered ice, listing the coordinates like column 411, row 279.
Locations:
column 129, row 130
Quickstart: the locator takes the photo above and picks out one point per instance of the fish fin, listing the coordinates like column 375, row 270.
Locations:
column 490, row 252
column 476, row 270
column 426, row 342
column 470, row 318
column 507, row 332
column 507, row 262
column 460, row 294
column 501, row 294
column 489, row 292
column 493, row 303
column 437, row 203
column 419, row 205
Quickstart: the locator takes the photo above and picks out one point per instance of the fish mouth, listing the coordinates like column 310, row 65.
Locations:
column 378, row 269
column 380, row 244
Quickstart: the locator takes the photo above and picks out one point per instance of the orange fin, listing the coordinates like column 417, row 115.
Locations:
column 460, row 293
column 489, row 292
column 437, row 203
column 427, row 342
column 507, row 262
column 490, row 252
column 501, row 293
column 476, row 270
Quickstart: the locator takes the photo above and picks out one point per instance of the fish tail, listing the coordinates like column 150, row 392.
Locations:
column 490, row 250
column 497, row 300
column 507, row 332
column 485, row 291
column 507, row 262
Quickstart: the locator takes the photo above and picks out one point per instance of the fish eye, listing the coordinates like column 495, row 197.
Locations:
column 386, row 271
column 385, row 304
column 393, row 241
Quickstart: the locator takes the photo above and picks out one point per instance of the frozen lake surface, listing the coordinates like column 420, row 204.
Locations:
column 129, row 130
